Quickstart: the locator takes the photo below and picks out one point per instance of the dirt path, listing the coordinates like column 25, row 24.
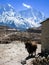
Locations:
column 13, row 53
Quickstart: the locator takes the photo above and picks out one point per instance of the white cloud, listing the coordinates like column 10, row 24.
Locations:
column 27, row 6
column 10, row 5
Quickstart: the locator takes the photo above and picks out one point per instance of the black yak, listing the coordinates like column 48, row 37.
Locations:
column 31, row 48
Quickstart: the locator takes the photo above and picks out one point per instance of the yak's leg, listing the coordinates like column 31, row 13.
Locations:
column 28, row 57
column 24, row 61
column 34, row 54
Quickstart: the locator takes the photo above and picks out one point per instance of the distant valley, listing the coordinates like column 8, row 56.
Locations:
column 8, row 35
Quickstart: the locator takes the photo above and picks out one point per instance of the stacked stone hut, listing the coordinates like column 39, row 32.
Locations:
column 45, row 34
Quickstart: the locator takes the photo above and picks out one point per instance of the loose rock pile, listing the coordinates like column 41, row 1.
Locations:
column 41, row 61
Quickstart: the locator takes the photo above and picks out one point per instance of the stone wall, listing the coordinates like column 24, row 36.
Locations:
column 45, row 35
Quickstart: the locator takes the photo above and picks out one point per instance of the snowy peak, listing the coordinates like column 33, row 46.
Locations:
column 20, row 20
column 33, row 17
column 7, row 9
column 26, row 13
column 32, row 13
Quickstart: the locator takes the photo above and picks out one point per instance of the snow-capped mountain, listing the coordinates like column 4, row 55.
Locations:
column 33, row 17
column 20, row 20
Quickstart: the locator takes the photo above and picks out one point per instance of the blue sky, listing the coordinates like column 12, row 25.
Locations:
column 40, row 5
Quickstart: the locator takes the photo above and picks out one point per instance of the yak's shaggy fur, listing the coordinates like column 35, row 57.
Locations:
column 31, row 47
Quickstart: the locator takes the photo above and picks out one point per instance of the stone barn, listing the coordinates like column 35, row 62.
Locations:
column 45, row 34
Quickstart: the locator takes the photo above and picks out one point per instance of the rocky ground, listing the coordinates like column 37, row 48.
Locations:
column 14, row 53
column 41, row 61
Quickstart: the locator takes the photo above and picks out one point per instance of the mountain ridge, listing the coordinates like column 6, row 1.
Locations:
column 21, row 20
